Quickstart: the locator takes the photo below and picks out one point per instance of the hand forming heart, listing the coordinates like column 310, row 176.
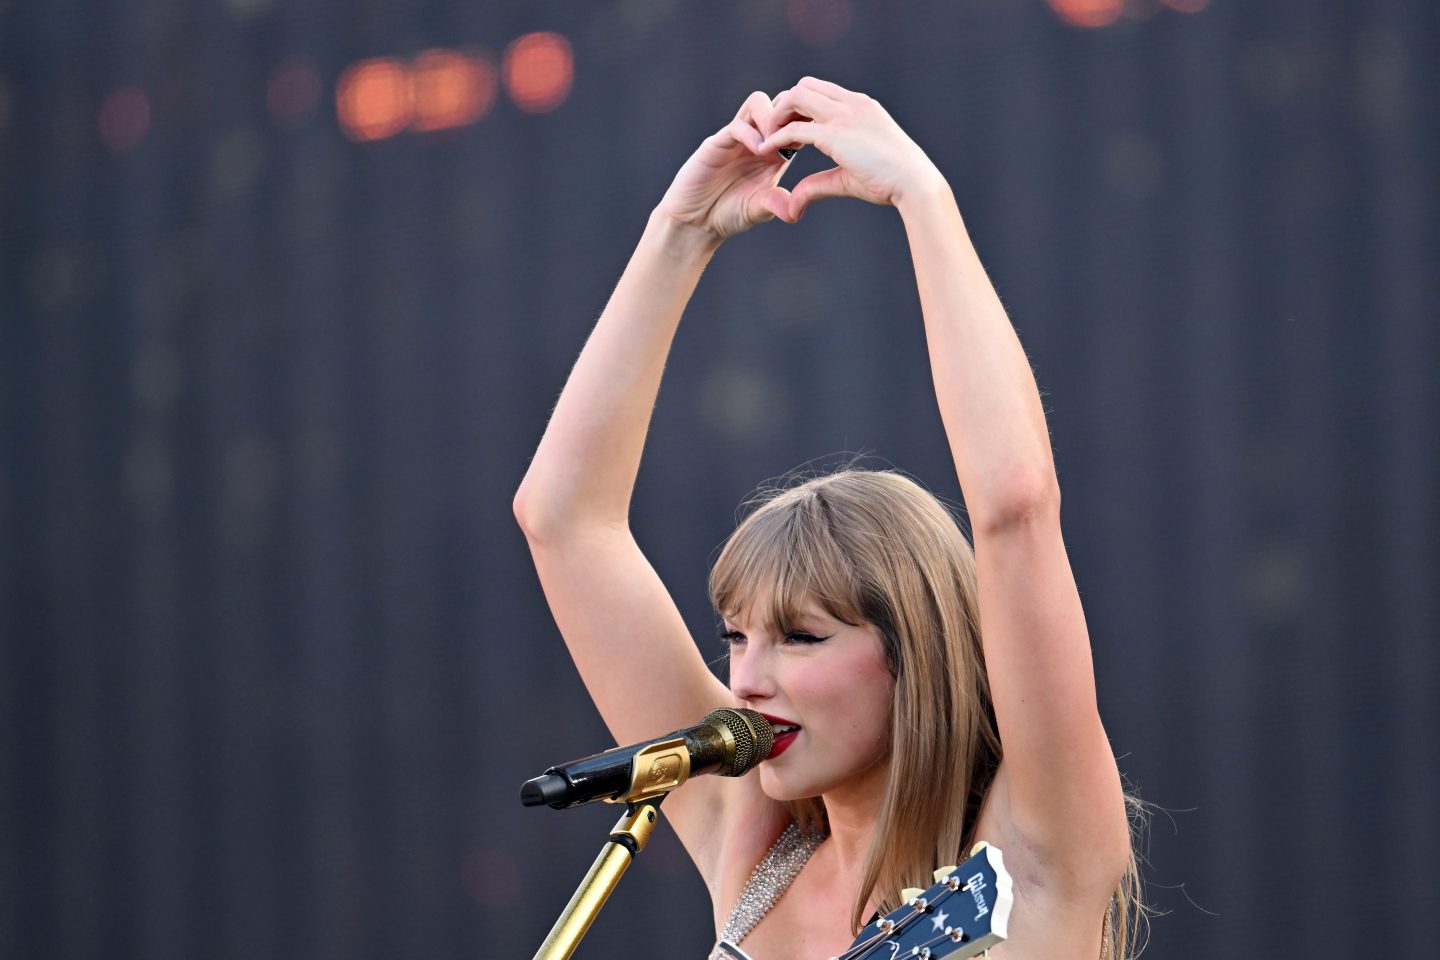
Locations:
column 875, row 160
column 729, row 184
column 732, row 181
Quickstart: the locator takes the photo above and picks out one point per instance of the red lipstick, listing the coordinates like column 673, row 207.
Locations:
column 783, row 739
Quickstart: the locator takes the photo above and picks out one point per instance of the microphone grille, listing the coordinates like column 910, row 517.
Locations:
column 754, row 737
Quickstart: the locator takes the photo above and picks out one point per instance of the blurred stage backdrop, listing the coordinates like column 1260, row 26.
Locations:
column 287, row 290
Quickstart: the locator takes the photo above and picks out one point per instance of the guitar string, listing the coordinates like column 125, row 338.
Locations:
column 862, row 950
column 942, row 938
column 878, row 939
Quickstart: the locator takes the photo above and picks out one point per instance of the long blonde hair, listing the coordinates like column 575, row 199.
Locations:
column 874, row 547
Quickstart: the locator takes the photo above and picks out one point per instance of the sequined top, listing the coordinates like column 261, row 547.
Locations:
column 764, row 888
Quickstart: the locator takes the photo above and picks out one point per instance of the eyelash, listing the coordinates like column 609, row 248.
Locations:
column 732, row 637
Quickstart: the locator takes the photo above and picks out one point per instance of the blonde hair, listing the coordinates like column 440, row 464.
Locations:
column 874, row 547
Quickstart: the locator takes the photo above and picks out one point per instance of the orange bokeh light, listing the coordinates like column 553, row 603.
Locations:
column 539, row 69
column 124, row 119
column 451, row 89
column 374, row 99
column 1089, row 13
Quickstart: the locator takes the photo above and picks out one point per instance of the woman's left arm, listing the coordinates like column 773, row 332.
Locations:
column 1064, row 790
column 1064, row 787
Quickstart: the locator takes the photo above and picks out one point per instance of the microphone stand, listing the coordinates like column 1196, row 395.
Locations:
column 628, row 837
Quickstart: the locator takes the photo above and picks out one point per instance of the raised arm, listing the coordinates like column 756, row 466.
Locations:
column 584, row 470
column 1063, row 787
column 619, row 623
column 628, row 640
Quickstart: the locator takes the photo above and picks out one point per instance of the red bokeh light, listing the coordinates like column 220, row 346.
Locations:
column 451, row 89
column 1089, row 13
column 820, row 22
column 293, row 91
column 374, row 99
column 538, row 70
column 124, row 119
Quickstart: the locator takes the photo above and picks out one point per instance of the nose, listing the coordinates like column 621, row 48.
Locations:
column 750, row 674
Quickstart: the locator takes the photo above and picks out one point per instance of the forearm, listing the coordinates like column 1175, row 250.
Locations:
column 988, row 399
column 585, row 466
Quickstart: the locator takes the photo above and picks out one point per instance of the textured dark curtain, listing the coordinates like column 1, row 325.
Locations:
column 273, row 662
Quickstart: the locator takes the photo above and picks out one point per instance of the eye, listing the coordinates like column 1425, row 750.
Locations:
column 800, row 637
column 732, row 637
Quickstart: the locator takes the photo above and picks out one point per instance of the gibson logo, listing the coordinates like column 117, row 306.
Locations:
column 975, row 884
column 663, row 770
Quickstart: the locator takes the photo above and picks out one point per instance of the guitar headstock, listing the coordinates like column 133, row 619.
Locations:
column 964, row 914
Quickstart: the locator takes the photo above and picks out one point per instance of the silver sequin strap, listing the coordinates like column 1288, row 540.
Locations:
column 769, row 881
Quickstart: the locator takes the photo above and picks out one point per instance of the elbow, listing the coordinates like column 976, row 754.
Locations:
column 547, row 519
column 1024, row 506
column 526, row 513
column 519, row 507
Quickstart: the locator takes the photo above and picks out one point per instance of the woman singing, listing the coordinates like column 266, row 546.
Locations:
column 939, row 694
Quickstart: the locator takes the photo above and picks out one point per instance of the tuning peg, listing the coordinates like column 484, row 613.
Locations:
column 910, row 893
column 944, row 872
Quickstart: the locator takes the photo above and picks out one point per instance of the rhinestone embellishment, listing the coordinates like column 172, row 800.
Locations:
column 768, row 882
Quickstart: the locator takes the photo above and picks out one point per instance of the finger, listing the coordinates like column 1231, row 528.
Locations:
column 832, row 90
column 799, row 102
column 793, row 135
column 739, row 133
column 775, row 201
column 756, row 109
column 744, row 132
column 817, row 186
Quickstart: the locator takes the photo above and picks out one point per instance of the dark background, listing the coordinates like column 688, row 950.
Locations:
column 274, row 660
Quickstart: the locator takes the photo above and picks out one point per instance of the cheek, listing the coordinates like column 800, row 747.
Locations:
column 857, row 695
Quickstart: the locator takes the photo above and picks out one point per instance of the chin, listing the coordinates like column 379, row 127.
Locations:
column 783, row 788
column 780, row 788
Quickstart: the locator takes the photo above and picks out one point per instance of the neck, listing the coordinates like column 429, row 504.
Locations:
column 852, row 811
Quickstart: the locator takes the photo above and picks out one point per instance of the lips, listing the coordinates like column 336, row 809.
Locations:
column 785, row 733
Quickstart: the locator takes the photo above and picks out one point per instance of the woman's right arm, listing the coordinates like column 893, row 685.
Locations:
column 626, row 636
column 624, row 633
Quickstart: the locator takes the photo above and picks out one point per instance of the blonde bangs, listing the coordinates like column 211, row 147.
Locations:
column 786, row 556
